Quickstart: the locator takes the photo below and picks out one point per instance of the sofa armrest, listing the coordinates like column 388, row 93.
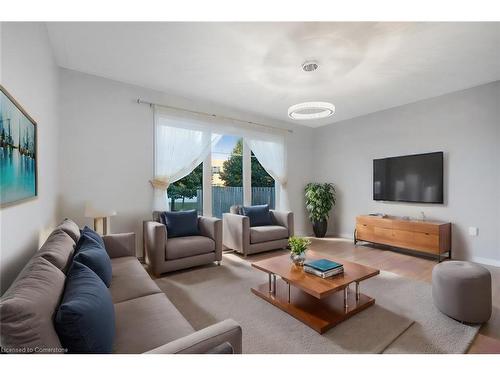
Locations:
column 212, row 227
column 155, row 244
column 236, row 232
column 204, row 340
column 120, row 244
column 285, row 219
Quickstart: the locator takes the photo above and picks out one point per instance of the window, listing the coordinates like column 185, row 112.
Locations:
column 229, row 164
column 263, row 191
column 227, row 174
column 187, row 193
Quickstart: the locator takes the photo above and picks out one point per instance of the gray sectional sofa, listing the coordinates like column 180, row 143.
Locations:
column 146, row 321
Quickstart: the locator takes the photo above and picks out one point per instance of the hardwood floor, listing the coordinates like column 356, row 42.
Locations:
column 411, row 266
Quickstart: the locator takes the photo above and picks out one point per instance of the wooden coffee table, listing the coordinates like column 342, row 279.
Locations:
column 318, row 303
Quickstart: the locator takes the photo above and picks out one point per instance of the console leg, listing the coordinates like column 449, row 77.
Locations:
column 270, row 287
column 345, row 297
column 357, row 291
column 355, row 241
column 274, row 284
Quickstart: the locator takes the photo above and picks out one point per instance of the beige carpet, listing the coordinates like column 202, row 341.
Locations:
column 403, row 320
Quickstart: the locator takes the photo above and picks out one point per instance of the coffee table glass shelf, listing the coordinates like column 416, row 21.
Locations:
column 319, row 303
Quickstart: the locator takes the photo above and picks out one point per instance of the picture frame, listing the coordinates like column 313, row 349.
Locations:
column 18, row 152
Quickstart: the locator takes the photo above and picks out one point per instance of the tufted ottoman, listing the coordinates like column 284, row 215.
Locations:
column 462, row 290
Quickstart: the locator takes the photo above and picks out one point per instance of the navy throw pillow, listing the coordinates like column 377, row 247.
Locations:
column 90, row 233
column 258, row 215
column 181, row 223
column 95, row 257
column 85, row 320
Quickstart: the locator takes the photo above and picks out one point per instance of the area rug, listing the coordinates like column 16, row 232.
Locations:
column 403, row 319
column 432, row 331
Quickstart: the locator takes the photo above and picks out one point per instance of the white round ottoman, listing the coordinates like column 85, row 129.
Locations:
column 462, row 290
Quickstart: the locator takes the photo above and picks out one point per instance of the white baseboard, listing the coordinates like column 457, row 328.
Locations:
column 488, row 261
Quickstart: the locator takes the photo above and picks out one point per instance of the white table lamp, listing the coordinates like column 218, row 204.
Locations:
column 101, row 218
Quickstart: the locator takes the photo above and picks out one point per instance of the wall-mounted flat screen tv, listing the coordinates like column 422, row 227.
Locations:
column 411, row 178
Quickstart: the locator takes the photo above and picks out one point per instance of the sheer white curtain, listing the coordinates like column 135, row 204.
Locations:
column 181, row 144
column 271, row 153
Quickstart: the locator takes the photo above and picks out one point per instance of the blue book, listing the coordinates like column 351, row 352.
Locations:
column 323, row 265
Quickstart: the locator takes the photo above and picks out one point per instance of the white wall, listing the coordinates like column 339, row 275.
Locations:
column 465, row 125
column 107, row 148
column 29, row 73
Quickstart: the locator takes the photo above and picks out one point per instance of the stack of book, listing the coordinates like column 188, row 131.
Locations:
column 323, row 268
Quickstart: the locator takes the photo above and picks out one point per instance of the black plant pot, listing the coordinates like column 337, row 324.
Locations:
column 319, row 228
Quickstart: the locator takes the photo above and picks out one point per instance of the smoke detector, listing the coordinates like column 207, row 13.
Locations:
column 310, row 66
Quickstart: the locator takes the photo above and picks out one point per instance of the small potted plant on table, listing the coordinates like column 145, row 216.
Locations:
column 298, row 248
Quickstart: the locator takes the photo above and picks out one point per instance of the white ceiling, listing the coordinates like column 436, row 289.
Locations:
column 256, row 67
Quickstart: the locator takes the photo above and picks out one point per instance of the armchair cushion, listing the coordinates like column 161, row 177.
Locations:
column 181, row 223
column 267, row 233
column 258, row 215
column 181, row 247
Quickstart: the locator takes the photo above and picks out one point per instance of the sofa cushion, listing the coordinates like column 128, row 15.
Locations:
column 130, row 287
column 182, row 247
column 181, row 223
column 71, row 229
column 145, row 323
column 92, row 234
column 58, row 249
column 27, row 308
column 127, row 266
column 130, row 280
column 85, row 320
column 267, row 233
column 91, row 254
column 258, row 215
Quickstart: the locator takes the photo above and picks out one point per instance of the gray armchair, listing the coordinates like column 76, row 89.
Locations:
column 165, row 254
column 238, row 235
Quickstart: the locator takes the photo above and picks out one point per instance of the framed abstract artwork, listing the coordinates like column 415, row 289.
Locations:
column 18, row 152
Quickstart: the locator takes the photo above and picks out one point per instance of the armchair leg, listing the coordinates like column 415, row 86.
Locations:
column 217, row 262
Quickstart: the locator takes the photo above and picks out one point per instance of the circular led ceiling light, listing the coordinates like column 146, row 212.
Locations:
column 311, row 110
column 310, row 66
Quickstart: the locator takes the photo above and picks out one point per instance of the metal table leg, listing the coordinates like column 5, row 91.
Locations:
column 357, row 291
column 345, row 297
column 288, row 292
column 274, row 284
column 269, row 283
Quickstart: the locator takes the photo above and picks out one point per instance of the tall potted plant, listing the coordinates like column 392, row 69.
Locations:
column 320, row 199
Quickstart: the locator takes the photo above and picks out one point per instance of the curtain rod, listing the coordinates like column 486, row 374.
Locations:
column 140, row 101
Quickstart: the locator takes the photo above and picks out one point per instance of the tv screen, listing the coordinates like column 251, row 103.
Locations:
column 412, row 178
